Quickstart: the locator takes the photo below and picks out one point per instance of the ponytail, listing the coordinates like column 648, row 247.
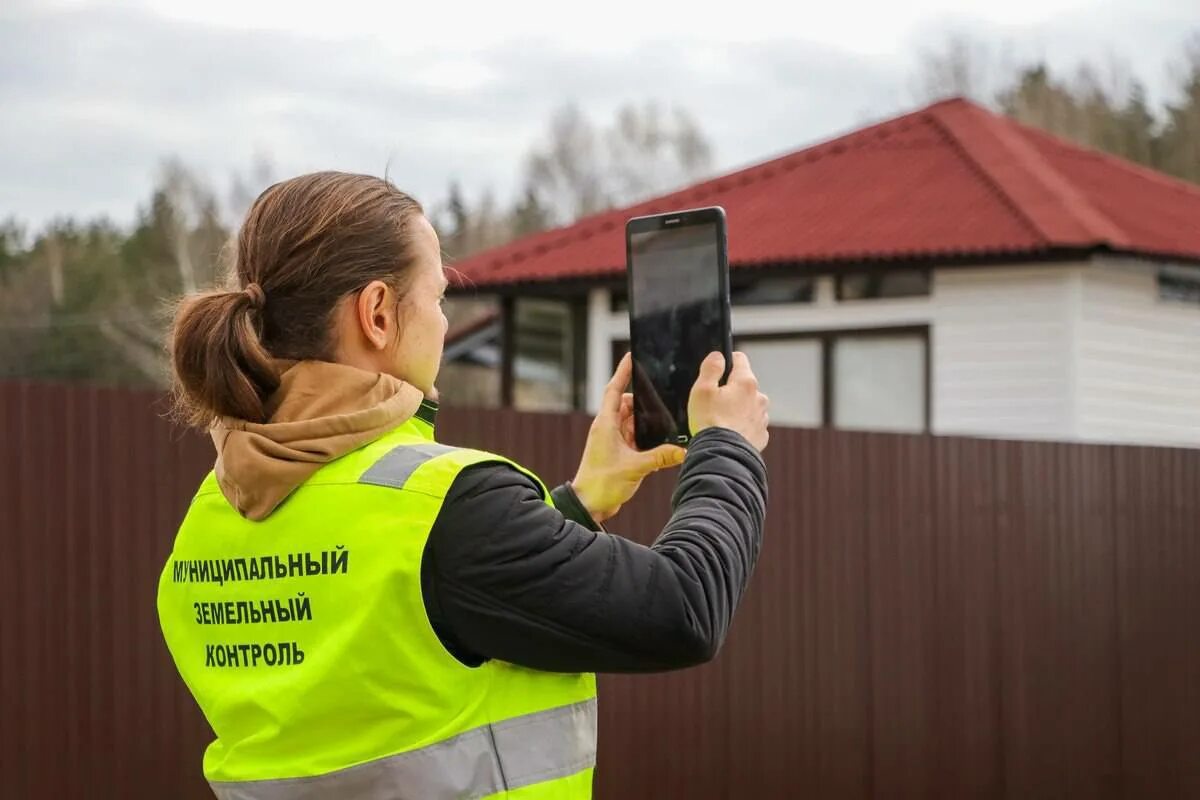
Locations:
column 221, row 367
column 312, row 240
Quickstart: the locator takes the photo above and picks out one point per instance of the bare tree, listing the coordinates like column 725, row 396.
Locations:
column 175, row 247
column 146, row 357
column 488, row 225
column 193, row 209
column 581, row 169
column 956, row 68
column 653, row 150
column 568, row 172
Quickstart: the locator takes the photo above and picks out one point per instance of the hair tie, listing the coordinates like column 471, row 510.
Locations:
column 257, row 297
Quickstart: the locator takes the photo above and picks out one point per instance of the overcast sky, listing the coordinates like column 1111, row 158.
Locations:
column 93, row 95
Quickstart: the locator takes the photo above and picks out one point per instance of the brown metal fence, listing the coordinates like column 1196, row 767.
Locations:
column 931, row 617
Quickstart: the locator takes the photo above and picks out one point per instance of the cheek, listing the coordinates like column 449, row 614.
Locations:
column 434, row 333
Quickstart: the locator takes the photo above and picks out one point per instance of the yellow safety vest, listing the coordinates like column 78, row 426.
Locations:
column 305, row 641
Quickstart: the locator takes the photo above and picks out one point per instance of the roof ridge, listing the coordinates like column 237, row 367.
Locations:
column 965, row 153
column 1141, row 170
column 1040, row 174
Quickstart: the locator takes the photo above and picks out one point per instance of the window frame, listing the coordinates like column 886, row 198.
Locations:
column 827, row 337
column 1166, row 274
column 839, row 291
column 618, row 297
column 577, row 329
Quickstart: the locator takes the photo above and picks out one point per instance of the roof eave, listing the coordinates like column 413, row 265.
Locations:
column 577, row 284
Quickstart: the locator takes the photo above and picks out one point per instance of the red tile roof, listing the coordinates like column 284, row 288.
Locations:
column 952, row 180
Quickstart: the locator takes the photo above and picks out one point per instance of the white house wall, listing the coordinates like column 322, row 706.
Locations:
column 1139, row 359
column 1002, row 344
column 599, row 347
column 1002, row 360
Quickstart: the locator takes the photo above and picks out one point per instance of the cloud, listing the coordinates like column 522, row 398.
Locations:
column 95, row 97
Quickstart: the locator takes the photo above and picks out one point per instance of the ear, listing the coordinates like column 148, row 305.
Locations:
column 375, row 310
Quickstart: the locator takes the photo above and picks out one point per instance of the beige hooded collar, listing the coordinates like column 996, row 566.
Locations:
column 320, row 411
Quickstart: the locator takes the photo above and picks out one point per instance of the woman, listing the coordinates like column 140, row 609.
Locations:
column 364, row 613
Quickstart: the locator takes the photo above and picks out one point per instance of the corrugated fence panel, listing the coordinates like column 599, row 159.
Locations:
column 94, row 483
column 967, row 760
column 901, row 558
column 931, row 617
column 1058, row 645
column 1158, row 585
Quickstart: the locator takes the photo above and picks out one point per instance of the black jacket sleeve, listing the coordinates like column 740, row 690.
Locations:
column 506, row 576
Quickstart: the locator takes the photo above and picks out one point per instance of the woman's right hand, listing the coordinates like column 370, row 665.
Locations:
column 738, row 405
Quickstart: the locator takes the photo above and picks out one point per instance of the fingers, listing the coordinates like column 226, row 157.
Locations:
column 764, row 403
column 711, row 369
column 664, row 456
column 625, row 419
column 615, row 389
column 629, row 433
column 741, row 372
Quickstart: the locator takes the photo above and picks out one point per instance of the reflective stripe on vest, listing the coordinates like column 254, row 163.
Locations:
column 505, row 755
column 397, row 466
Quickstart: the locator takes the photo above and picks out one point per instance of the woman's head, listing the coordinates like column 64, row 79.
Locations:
column 328, row 266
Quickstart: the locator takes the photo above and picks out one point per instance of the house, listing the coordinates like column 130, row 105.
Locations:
column 948, row 271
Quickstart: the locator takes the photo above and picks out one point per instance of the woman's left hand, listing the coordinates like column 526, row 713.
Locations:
column 612, row 468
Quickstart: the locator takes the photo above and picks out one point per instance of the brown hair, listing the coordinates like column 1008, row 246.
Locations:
column 305, row 244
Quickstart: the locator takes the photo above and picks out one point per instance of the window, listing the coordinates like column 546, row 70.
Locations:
column 879, row 382
column 875, row 379
column 774, row 291
column 881, row 284
column 789, row 371
column 762, row 292
column 1179, row 285
column 861, row 380
column 544, row 366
